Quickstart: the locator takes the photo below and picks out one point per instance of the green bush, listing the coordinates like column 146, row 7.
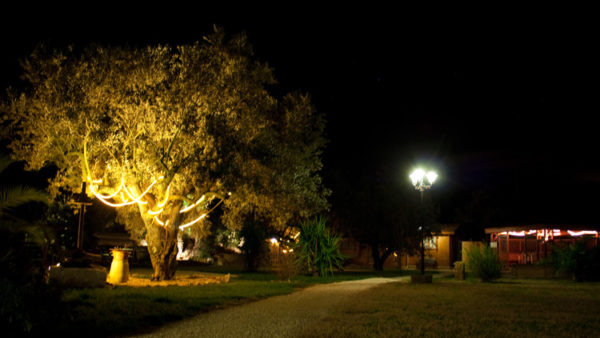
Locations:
column 317, row 249
column 581, row 263
column 484, row 263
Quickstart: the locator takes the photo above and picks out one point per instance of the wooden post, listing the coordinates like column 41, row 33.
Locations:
column 82, row 200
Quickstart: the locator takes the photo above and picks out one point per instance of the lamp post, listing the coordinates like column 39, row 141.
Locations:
column 422, row 181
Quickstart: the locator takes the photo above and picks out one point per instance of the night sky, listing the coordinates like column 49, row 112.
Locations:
column 505, row 104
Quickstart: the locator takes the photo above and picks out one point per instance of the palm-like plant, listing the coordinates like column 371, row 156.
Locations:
column 13, row 226
column 15, row 196
column 317, row 249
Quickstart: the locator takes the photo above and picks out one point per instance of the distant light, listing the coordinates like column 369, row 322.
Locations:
column 274, row 240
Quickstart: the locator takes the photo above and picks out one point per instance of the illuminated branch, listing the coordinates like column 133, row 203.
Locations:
column 168, row 153
column 85, row 160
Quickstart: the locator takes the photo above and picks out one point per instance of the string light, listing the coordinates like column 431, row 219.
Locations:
column 192, row 222
column 549, row 233
column 201, row 216
column 157, row 212
column 581, row 233
column 104, row 199
column 162, row 204
column 158, row 220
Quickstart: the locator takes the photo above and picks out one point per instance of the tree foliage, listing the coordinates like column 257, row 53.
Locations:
column 377, row 210
column 171, row 129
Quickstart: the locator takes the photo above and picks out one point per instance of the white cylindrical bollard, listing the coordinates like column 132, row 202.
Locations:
column 119, row 268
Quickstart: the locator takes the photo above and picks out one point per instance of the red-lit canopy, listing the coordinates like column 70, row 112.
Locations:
column 529, row 243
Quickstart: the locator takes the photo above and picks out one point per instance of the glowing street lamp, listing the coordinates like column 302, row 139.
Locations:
column 422, row 181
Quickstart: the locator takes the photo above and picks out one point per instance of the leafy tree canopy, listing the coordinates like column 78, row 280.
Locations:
column 377, row 210
column 169, row 132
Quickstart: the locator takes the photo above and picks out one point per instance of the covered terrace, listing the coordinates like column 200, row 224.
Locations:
column 528, row 244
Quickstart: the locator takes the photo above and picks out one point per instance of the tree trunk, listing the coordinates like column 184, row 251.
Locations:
column 379, row 258
column 162, row 245
column 163, row 260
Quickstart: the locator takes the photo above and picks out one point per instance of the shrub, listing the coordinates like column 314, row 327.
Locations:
column 317, row 249
column 580, row 263
column 484, row 263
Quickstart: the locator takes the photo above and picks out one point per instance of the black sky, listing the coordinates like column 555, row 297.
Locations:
column 505, row 102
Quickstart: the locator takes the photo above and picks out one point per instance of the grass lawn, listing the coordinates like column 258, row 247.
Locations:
column 448, row 308
column 123, row 310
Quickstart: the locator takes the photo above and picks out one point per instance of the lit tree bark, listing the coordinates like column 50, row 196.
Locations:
column 162, row 245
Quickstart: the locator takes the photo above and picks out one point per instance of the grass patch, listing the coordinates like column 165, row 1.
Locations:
column 125, row 310
column 447, row 308
column 104, row 312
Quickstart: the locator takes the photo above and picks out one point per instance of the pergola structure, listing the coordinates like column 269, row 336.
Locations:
column 528, row 244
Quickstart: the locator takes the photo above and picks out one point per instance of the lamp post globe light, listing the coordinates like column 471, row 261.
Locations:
column 422, row 181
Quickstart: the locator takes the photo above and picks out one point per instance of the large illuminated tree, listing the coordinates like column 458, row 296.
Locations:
column 166, row 134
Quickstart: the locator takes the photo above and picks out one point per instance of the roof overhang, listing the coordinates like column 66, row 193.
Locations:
column 577, row 227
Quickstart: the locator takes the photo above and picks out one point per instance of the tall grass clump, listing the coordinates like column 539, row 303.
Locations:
column 484, row 263
column 317, row 250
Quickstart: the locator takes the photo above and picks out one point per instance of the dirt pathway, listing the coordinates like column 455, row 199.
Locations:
column 280, row 316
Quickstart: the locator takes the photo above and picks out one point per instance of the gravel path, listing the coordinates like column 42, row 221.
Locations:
column 279, row 316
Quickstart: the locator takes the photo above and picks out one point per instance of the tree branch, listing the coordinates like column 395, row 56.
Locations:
column 168, row 153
